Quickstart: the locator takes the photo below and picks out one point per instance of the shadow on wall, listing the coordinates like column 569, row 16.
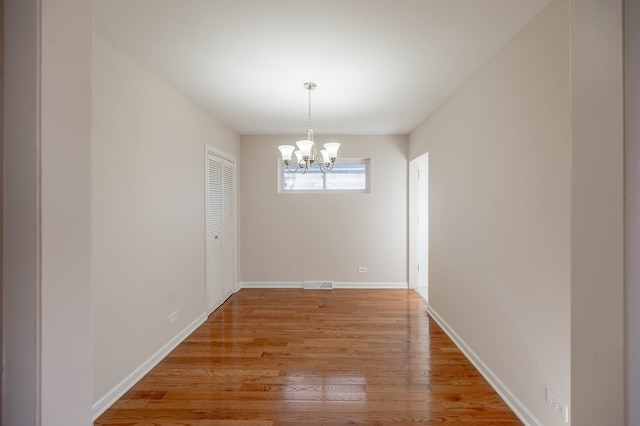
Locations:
column 1, row 173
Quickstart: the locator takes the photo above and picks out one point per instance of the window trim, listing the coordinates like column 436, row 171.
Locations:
column 366, row 190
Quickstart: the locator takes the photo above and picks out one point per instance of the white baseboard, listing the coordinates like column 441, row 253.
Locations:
column 371, row 285
column 509, row 398
column 423, row 293
column 336, row 285
column 271, row 284
column 101, row 405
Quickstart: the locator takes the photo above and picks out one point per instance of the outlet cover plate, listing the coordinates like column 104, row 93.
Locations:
column 557, row 405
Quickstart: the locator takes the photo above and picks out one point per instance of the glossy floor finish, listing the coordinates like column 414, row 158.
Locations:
column 314, row 357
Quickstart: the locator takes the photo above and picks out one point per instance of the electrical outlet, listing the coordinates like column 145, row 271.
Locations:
column 557, row 405
column 362, row 269
column 173, row 317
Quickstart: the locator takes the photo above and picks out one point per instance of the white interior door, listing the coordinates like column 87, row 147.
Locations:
column 227, row 232
column 220, row 234
column 423, row 224
column 419, row 225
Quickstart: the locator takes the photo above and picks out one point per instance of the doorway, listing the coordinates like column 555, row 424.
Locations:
column 419, row 225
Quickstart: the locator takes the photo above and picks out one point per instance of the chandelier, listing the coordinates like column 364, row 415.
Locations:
column 307, row 154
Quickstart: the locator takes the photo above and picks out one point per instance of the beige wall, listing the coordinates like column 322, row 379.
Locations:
column 148, row 213
column 65, row 212
column 499, row 208
column 597, row 216
column 294, row 237
column 632, row 153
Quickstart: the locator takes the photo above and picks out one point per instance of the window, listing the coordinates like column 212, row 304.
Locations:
column 347, row 175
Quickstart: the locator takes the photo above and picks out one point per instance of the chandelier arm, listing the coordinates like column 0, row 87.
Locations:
column 306, row 166
column 292, row 171
column 324, row 168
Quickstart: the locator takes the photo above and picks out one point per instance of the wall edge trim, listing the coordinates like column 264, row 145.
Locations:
column 108, row 399
column 520, row 410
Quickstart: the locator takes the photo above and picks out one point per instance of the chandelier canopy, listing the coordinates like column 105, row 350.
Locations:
column 307, row 154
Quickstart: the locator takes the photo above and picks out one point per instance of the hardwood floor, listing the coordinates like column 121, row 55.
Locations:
column 314, row 357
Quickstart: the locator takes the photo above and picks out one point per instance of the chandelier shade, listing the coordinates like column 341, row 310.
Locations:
column 286, row 151
column 305, row 147
column 307, row 154
column 332, row 149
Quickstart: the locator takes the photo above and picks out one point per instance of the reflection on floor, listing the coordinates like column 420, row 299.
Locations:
column 324, row 357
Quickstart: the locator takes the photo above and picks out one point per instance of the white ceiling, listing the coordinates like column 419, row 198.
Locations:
column 382, row 66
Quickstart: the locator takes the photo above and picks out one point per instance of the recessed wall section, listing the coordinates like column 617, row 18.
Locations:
column 325, row 237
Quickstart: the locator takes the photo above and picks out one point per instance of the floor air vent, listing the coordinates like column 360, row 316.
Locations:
column 318, row 285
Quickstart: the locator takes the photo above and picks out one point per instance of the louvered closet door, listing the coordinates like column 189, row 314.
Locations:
column 220, row 267
column 228, row 214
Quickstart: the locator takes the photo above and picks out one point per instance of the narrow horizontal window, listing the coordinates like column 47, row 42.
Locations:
column 347, row 175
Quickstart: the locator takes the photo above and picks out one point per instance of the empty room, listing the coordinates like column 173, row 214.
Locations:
column 285, row 212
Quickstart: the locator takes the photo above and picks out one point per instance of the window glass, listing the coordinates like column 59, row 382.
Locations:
column 347, row 175
column 310, row 181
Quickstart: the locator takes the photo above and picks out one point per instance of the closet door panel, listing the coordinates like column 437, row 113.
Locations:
column 228, row 216
column 214, row 233
column 220, row 230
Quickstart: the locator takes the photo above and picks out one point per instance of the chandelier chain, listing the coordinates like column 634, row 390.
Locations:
column 309, row 128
